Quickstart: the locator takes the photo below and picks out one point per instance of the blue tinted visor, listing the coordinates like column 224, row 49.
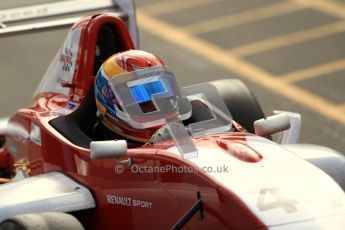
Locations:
column 143, row 92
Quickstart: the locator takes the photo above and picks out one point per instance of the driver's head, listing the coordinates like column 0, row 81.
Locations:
column 124, row 69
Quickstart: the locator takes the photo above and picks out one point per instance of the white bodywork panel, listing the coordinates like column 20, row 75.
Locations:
column 331, row 223
column 281, row 189
column 57, row 72
column 329, row 160
column 50, row 192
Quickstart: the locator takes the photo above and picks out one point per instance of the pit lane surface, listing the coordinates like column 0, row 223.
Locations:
column 290, row 53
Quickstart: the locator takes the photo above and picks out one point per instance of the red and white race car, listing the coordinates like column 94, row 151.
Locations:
column 238, row 178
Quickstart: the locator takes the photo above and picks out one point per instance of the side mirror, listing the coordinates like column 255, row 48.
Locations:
column 108, row 149
column 272, row 125
column 291, row 135
column 3, row 125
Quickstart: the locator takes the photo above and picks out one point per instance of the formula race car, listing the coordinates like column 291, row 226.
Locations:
column 220, row 165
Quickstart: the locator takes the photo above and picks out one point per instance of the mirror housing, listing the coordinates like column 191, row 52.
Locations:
column 272, row 125
column 290, row 136
column 108, row 149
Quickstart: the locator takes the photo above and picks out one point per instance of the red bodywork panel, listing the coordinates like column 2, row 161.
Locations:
column 158, row 200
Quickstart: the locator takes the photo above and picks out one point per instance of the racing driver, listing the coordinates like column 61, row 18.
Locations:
column 125, row 68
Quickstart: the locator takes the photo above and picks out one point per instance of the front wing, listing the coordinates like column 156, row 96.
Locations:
column 50, row 192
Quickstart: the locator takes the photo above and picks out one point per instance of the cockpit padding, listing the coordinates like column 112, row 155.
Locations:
column 77, row 126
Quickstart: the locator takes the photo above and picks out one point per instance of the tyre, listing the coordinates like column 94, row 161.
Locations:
column 240, row 101
column 41, row 221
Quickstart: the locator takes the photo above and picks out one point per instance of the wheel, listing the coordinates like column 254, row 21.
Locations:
column 41, row 221
column 240, row 101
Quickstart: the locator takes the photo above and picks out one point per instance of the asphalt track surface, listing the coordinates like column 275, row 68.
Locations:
column 290, row 53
